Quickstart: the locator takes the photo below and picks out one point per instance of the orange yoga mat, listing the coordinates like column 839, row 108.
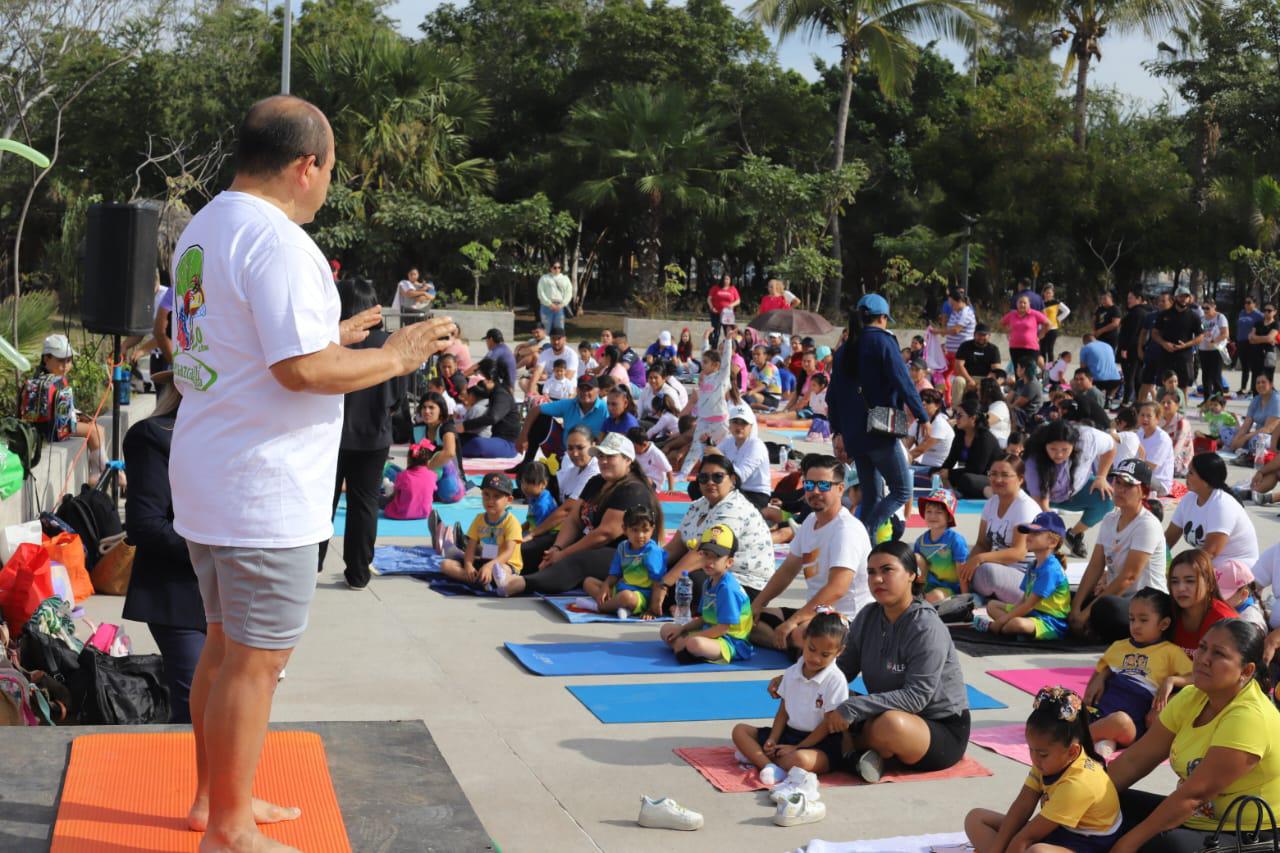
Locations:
column 132, row 792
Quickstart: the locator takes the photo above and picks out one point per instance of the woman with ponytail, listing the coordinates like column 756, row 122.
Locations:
column 869, row 373
column 972, row 452
column 1209, row 516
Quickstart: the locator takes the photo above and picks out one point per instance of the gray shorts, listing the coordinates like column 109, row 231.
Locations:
column 260, row 595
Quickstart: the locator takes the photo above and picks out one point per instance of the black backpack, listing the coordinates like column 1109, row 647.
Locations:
column 92, row 515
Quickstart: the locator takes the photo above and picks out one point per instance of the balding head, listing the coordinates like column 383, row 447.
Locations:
column 277, row 131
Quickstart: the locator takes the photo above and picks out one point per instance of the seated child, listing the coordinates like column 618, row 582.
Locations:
column 941, row 548
column 1060, row 370
column 821, row 426
column 1046, row 600
column 494, row 539
column 477, row 400
column 809, row 688
column 637, row 565
column 667, row 424
column 652, row 461
column 437, row 385
column 1235, row 583
column 1169, row 382
column 560, row 386
column 587, row 365
column 1134, row 676
column 1079, row 806
column 720, row 633
column 1124, row 429
column 1216, row 419
column 534, row 478
column 415, row 486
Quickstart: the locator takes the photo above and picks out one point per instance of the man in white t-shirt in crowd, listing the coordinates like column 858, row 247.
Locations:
column 263, row 364
column 831, row 547
column 413, row 295
column 544, row 365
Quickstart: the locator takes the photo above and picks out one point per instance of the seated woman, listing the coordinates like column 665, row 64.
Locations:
column 502, row 417
column 1197, row 603
column 997, row 409
column 1209, row 516
column 1027, row 398
column 163, row 591
column 588, row 539
column 1067, row 467
column 1221, row 736
column 722, row 503
column 930, row 441
column 576, row 470
column 997, row 559
column 1128, row 556
column 972, row 452
column 1262, row 419
column 46, row 401
column 442, row 434
column 916, row 711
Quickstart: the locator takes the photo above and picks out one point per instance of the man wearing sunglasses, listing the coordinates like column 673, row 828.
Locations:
column 831, row 547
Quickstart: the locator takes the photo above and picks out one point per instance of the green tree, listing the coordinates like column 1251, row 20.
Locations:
column 649, row 145
column 875, row 32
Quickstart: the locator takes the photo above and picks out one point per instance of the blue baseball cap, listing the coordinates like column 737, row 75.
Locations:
column 1045, row 521
column 875, row 305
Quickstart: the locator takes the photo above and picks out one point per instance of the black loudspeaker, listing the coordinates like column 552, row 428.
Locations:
column 120, row 269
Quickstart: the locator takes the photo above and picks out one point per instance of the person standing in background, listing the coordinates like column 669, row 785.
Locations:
column 721, row 297
column 1130, row 348
column 555, row 291
column 1178, row 331
column 1056, row 312
column 1214, row 343
column 1249, row 317
column 1106, row 319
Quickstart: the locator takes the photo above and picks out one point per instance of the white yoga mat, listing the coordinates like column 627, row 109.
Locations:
column 900, row 844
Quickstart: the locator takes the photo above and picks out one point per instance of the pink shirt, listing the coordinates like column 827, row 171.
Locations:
column 1024, row 329
column 415, row 490
column 460, row 353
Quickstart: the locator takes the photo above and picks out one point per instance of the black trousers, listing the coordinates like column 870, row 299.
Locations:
column 1244, row 359
column 714, row 340
column 180, row 650
column 1131, row 367
column 570, row 572
column 969, row 484
column 1181, row 363
column 1211, row 371
column 361, row 470
column 1046, row 345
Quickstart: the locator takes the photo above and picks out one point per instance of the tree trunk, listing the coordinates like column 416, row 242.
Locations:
column 1082, row 97
column 650, row 258
column 837, row 161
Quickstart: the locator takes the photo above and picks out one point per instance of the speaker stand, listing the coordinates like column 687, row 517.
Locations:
column 116, row 358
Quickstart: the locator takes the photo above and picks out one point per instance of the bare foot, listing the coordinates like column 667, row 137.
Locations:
column 263, row 812
column 253, row 842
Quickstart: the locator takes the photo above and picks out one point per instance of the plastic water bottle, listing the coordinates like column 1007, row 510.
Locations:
column 936, row 482
column 121, row 375
column 682, row 613
column 1259, row 454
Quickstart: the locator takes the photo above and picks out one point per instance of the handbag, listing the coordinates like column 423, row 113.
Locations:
column 885, row 420
column 114, row 568
column 1269, row 358
column 1246, row 840
column 120, row 691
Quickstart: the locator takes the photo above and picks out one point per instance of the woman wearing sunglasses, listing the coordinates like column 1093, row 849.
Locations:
column 722, row 503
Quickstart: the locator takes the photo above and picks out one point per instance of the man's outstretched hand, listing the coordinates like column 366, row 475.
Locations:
column 416, row 343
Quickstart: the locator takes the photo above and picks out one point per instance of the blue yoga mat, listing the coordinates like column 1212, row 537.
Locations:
column 673, row 702
column 561, row 604
column 626, row 658
column 419, row 561
column 461, row 512
column 970, row 506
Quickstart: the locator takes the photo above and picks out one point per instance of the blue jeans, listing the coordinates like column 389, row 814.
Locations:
column 1093, row 505
column 551, row 317
column 180, row 651
column 879, row 467
column 486, row 447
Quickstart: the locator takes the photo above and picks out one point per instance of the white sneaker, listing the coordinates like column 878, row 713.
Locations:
column 623, row 614
column 797, row 809
column 772, row 774
column 870, row 766
column 501, row 574
column 585, row 602
column 798, row 781
column 740, row 758
column 667, row 814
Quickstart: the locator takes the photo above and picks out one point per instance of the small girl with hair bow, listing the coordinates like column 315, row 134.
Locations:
column 415, row 486
column 1079, row 806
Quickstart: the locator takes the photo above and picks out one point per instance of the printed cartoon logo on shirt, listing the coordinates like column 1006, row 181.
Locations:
column 1194, row 534
column 189, row 306
column 1134, row 662
column 1206, row 808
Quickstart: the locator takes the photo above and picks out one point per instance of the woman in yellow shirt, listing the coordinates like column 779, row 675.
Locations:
column 1222, row 738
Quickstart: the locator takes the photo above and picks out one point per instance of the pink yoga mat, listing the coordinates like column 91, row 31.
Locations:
column 1031, row 680
column 718, row 766
column 1011, row 742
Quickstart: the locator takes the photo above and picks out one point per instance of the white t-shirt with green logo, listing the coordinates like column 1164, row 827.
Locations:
column 252, row 464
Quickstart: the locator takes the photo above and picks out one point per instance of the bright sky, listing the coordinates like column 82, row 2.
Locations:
column 1121, row 67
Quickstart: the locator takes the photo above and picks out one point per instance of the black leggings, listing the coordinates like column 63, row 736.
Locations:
column 968, row 484
column 1109, row 618
column 362, row 472
column 570, row 572
column 1137, row 806
column 1046, row 345
column 532, row 551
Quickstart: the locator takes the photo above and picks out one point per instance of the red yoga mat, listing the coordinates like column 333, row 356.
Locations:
column 718, row 766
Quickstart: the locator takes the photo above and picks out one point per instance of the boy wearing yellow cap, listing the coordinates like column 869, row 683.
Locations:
column 719, row 633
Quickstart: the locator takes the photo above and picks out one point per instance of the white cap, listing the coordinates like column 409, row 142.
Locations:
column 615, row 444
column 664, row 338
column 58, row 346
column 775, row 334
column 742, row 412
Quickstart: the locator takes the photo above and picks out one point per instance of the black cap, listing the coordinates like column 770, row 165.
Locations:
column 982, row 329
column 808, row 342
column 1133, row 471
column 587, row 382
column 498, row 482
column 556, row 332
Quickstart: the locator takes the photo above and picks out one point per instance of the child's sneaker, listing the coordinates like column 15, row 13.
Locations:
column 585, row 602
column 436, row 526
column 798, row 781
column 981, row 622
column 740, row 758
column 870, row 766
column 667, row 814
column 501, row 574
column 622, row 614
column 797, row 809
column 772, row 774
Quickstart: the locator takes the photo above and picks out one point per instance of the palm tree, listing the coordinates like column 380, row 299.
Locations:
column 652, row 146
column 1253, row 202
column 874, row 32
column 1089, row 21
